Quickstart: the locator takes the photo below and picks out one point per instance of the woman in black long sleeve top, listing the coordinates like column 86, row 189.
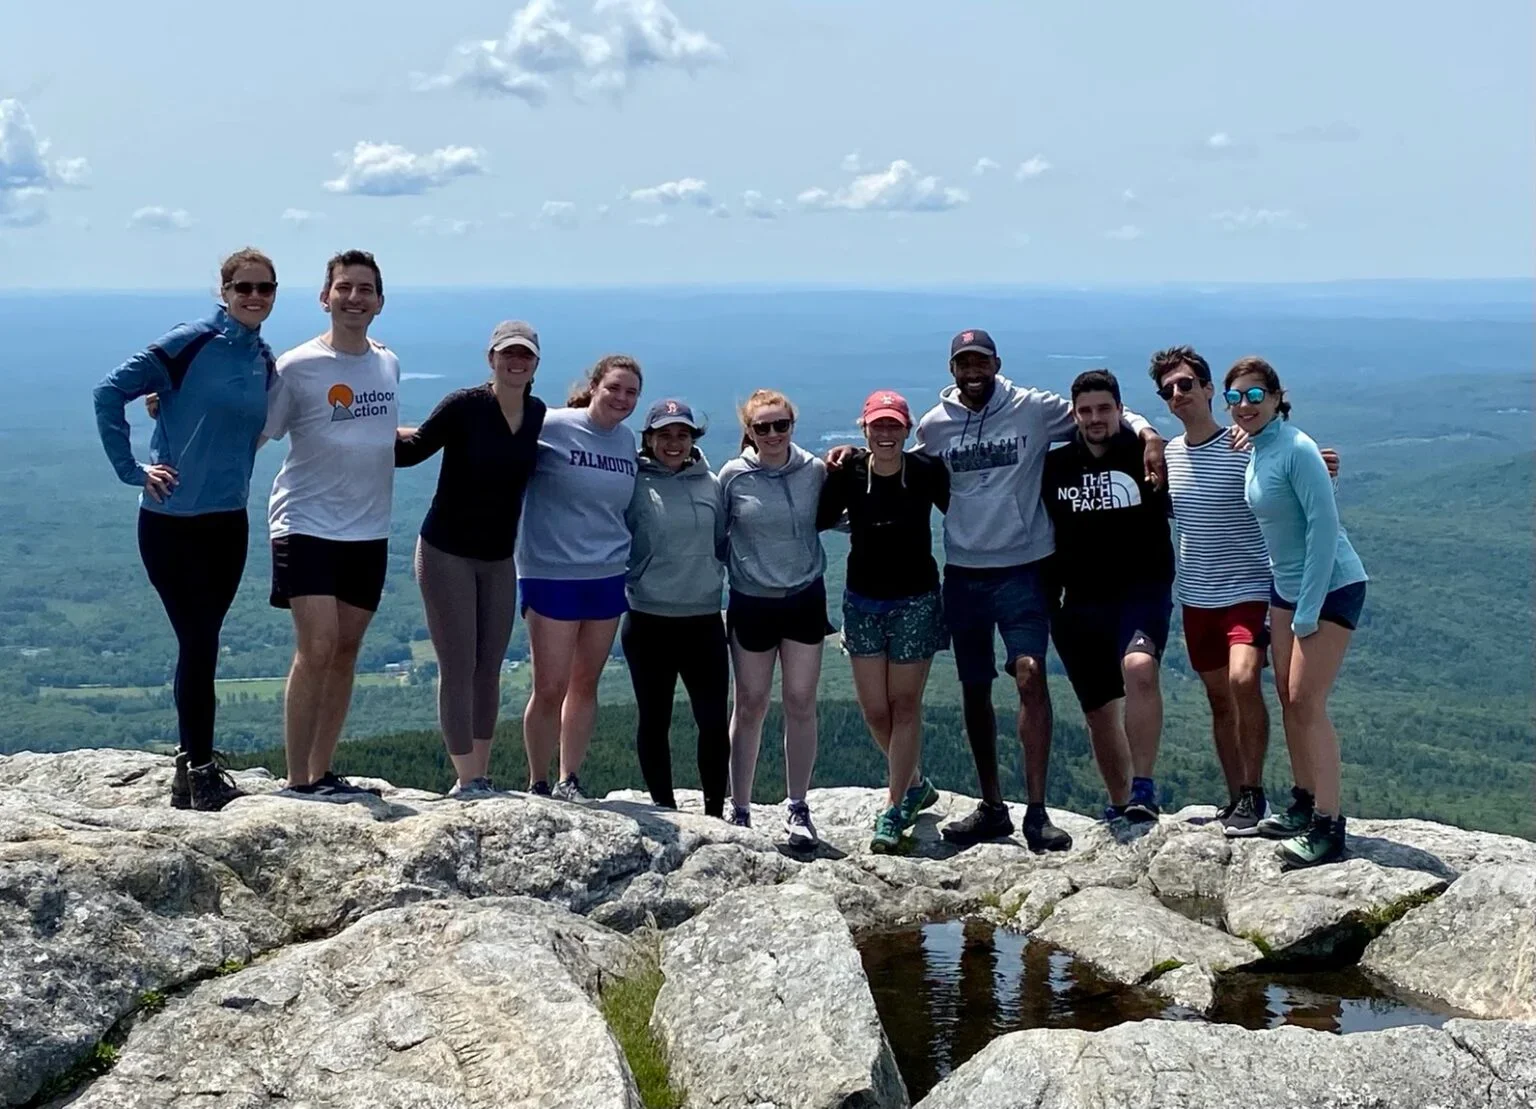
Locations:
column 489, row 436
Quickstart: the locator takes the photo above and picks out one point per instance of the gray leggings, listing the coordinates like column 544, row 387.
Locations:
column 470, row 604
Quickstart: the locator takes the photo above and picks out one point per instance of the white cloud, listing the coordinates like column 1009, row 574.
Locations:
column 542, row 47
column 1219, row 141
column 1220, row 145
column 1032, row 168
column 27, row 174
column 754, row 204
column 897, row 189
column 1129, row 196
column 851, row 163
column 1322, row 133
column 602, row 211
column 559, row 214
column 1124, row 233
column 1254, row 219
column 300, row 217
column 720, row 211
column 688, row 190
column 385, row 169
column 984, row 166
column 156, row 218
column 432, row 225
column 660, row 219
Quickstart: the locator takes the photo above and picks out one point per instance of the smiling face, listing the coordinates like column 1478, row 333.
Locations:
column 974, row 372
column 886, row 438
column 1097, row 414
column 671, row 445
column 615, row 397
column 250, row 293
column 771, row 427
column 1187, row 395
column 352, row 298
column 1253, row 417
column 513, row 367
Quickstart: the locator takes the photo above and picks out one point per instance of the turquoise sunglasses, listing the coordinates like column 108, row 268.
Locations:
column 1254, row 394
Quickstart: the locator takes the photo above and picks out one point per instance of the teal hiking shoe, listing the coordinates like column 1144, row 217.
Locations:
column 889, row 826
column 916, row 799
column 1322, row 842
column 1295, row 820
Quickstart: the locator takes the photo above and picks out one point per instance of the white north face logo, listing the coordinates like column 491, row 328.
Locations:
column 1102, row 492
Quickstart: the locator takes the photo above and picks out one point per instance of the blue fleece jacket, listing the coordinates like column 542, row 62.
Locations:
column 212, row 378
column 1291, row 495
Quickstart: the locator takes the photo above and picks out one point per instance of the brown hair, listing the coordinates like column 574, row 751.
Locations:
column 762, row 398
column 354, row 258
column 1257, row 367
column 247, row 256
column 581, row 394
column 1166, row 361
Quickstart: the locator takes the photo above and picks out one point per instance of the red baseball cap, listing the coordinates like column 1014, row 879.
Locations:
column 886, row 405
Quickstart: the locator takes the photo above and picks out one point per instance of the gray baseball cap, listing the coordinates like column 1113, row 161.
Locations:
column 515, row 333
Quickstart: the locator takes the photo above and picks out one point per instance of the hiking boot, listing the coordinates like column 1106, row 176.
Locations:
column 1322, row 842
column 1041, row 835
column 1293, row 821
column 800, row 833
column 332, row 784
column 475, row 787
column 987, row 822
column 741, row 816
column 181, row 789
column 915, row 800
column 540, row 788
column 889, row 826
column 569, row 789
column 1244, row 818
column 210, row 788
column 1142, row 807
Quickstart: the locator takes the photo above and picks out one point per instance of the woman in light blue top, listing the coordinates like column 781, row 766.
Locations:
column 1315, row 603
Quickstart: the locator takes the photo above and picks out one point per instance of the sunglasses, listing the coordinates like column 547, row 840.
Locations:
column 1254, row 394
column 1181, row 384
column 778, row 427
column 260, row 288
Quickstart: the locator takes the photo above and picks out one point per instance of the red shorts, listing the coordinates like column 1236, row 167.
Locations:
column 1210, row 633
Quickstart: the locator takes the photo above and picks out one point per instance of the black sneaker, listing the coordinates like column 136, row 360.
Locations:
column 1322, row 842
column 332, row 784
column 799, row 832
column 210, row 788
column 540, row 788
column 1243, row 819
column 1295, row 820
column 569, row 789
column 1041, row 835
column 181, row 789
column 987, row 822
column 1224, row 811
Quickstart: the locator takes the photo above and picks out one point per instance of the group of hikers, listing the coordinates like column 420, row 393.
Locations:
column 1057, row 514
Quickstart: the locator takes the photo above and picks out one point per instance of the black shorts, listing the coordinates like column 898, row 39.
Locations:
column 307, row 566
column 762, row 623
column 1094, row 636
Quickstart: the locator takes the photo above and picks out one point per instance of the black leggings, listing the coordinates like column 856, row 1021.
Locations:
column 659, row 650
column 195, row 564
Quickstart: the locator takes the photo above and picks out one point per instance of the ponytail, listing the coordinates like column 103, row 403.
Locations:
column 581, row 394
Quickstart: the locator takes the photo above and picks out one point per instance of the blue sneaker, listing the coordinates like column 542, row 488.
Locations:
column 1142, row 808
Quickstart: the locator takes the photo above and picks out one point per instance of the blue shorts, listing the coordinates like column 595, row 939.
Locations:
column 1342, row 606
column 1012, row 600
column 579, row 599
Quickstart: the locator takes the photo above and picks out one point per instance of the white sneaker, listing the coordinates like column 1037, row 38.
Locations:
column 798, row 829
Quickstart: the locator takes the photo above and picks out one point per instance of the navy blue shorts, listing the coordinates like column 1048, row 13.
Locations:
column 1342, row 606
column 1011, row 600
column 578, row 599
column 1094, row 636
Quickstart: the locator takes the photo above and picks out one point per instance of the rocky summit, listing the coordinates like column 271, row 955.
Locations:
column 418, row 951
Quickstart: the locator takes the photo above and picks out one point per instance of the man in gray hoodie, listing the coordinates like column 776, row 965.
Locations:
column 993, row 436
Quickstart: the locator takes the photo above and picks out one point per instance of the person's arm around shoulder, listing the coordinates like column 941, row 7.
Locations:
column 1308, row 477
column 414, row 445
column 832, row 505
column 938, row 479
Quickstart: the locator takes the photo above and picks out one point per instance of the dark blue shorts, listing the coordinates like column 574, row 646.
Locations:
column 1093, row 637
column 1342, row 606
column 1010, row 600
column 580, row 599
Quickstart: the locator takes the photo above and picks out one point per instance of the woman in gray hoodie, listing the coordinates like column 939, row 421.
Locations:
column 778, row 601
column 674, row 583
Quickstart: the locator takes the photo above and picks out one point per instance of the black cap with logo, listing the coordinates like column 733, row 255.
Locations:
column 972, row 339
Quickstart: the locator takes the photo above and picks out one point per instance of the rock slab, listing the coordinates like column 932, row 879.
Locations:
column 765, row 1003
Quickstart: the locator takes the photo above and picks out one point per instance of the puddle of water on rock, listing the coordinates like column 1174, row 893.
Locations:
column 944, row 990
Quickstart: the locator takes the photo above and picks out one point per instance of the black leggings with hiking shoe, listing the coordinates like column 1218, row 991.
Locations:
column 659, row 650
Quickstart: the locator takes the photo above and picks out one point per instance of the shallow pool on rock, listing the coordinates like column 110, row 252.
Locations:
column 944, row 990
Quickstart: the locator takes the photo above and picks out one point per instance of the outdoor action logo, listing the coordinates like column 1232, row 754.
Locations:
column 347, row 405
column 1100, row 492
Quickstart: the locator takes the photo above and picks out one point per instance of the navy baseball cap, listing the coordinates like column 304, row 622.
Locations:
column 665, row 412
column 972, row 339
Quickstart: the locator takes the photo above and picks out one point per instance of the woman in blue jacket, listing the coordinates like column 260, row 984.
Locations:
column 1314, row 607
column 211, row 380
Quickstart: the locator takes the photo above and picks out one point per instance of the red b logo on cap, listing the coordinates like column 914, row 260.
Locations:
column 672, row 407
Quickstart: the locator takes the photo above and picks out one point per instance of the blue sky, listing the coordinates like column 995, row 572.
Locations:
column 702, row 141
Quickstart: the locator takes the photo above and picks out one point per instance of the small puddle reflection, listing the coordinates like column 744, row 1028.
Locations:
column 945, row 990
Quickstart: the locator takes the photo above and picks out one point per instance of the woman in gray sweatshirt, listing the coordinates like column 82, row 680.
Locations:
column 673, row 628
column 778, row 601
column 572, row 553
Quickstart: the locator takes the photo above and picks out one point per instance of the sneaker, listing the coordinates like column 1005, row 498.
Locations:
column 1293, row 821
column 798, row 829
column 889, row 826
column 475, row 787
column 569, row 789
column 915, row 800
column 540, row 788
column 1243, row 819
column 181, row 789
column 1041, row 835
column 987, row 822
column 1142, row 808
column 1322, row 842
column 332, row 784
column 210, row 788
column 741, row 816
column 1224, row 811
